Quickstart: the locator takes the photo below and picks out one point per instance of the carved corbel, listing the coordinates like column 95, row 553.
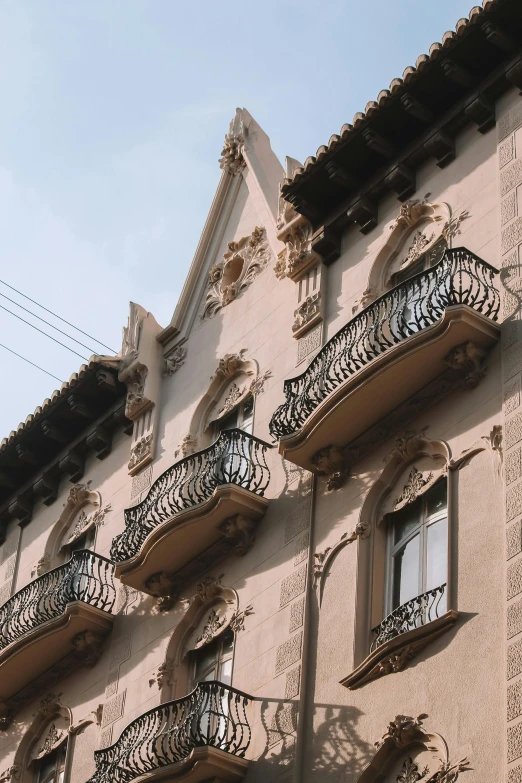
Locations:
column 239, row 530
column 468, row 359
column 100, row 441
column 326, row 241
column 333, row 463
column 364, row 213
column 73, row 464
column 402, row 180
column 298, row 255
column 88, row 646
column 164, row 588
column 482, row 112
column 136, row 400
column 442, row 147
column 47, row 487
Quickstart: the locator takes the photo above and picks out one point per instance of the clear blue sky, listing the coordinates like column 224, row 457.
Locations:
column 113, row 116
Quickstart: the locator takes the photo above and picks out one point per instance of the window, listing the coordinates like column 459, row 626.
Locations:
column 242, row 417
column 214, row 660
column 415, row 299
column 418, row 547
column 51, row 767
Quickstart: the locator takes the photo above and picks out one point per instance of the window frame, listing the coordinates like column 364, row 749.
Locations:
column 421, row 529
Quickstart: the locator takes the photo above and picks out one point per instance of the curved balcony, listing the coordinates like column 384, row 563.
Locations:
column 387, row 353
column 402, row 634
column 203, row 736
column 211, row 499
column 67, row 610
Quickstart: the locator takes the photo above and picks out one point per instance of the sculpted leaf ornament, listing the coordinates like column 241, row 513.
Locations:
column 413, row 487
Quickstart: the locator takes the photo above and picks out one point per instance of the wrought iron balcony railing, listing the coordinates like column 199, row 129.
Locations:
column 460, row 278
column 85, row 577
column 235, row 458
column 419, row 611
column 212, row 715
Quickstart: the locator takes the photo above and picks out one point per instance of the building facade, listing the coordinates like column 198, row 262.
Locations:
column 280, row 539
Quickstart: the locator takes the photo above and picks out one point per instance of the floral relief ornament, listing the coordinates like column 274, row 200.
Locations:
column 413, row 488
column 240, row 265
column 174, row 361
column 83, row 522
column 52, row 739
column 211, row 628
column 140, row 451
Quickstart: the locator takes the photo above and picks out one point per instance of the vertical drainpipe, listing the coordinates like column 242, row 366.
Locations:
column 304, row 696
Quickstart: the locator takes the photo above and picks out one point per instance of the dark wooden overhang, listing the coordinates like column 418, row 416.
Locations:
column 417, row 120
column 54, row 441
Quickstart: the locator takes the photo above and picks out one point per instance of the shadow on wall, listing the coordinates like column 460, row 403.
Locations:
column 338, row 751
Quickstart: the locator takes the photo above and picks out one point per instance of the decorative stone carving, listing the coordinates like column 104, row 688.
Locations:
column 237, row 621
column 417, row 248
column 240, row 265
column 231, row 400
column 413, row 488
column 410, row 772
column 451, row 228
column 141, row 451
column 135, row 381
column 209, row 588
column 211, row 629
column 396, row 662
column 467, row 359
column 49, row 706
column 187, row 446
column 232, row 159
column 52, row 740
column 332, row 463
column 427, row 760
column 42, row 566
column 229, row 365
column 239, row 530
column 298, row 255
column 307, row 314
column 88, row 646
column 257, row 385
column 408, row 444
column 164, row 675
column 131, row 334
column 174, row 361
column 78, row 493
column 322, row 560
column 164, row 588
column 402, row 731
column 10, row 774
column 84, row 522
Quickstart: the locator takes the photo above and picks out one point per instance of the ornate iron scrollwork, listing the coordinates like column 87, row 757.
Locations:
column 86, row 577
column 212, row 715
column 460, row 278
column 419, row 611
column 235, row 458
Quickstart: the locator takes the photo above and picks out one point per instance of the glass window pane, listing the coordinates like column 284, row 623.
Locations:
column 437, row 554
column 225, row 675
column 205, row 658
column 406, row 572
column 405, row 521
column 437, row 498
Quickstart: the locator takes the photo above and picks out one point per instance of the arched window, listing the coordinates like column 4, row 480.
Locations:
column 51, row 767
column 214, row 660
column 417, row 544
column 240, row 417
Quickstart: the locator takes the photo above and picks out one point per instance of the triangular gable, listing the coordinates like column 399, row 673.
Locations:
column 250, row 179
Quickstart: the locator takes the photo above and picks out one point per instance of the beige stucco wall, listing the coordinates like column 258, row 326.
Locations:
column 457, row 680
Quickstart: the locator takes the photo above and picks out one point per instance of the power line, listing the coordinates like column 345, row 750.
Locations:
column 49, row 324
column 58, row 316
column 30, row 362
column 42, row 332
